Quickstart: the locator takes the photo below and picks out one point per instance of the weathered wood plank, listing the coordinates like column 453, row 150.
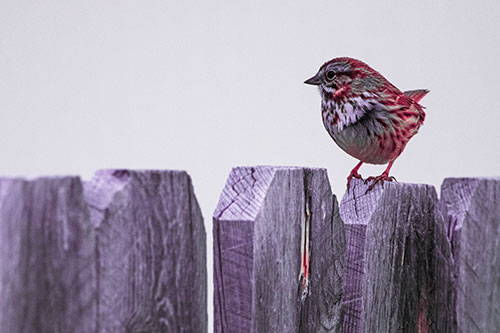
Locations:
column 356, row 208
column 398, row 260
column 47, row 277
column 150, row 252
column 125, row 252
column 278, row 252
column 472, row 210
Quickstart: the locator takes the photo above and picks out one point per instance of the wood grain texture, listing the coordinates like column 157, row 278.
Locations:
column 47, row 280
column 124, row 252
column 259, row 240
column 150, row 252
column 398, row 260
column 356, row 209
column 472, row 210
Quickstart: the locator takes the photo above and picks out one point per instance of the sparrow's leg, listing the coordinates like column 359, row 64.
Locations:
column 383, row 177
column 354, row 174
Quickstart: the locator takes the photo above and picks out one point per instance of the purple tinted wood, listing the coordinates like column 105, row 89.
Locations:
column 123, row 253
column 356, row 209
column 47, row 276
column 267, row 219
column 150, row 253
column 398, row 260
column 472, row 210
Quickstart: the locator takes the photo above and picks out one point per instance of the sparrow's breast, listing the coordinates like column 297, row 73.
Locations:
column 366, row 147
column 373, row 138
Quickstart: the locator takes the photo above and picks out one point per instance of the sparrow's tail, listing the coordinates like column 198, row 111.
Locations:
column 416, row 95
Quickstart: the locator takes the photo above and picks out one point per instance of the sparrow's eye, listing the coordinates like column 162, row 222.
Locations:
column 330, row 75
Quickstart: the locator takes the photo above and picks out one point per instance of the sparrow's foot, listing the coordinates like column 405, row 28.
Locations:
column 383, row 177
column 353, row 174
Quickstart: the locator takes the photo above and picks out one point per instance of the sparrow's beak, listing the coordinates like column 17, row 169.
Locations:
column 315, row 80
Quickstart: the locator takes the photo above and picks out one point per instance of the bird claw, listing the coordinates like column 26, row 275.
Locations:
column 383, row 177
column 353, row 174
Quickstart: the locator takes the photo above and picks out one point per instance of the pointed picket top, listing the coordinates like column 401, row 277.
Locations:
column 269, row 225
column 356, row 205
column 114, row 252
column 471, row 207
column 390, row 280
column 456, row 196
column 245, row 192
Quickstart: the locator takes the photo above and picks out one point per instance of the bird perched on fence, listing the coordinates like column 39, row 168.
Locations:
column 366, row 115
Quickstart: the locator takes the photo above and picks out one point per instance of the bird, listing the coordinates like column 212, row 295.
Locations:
column 366, row 115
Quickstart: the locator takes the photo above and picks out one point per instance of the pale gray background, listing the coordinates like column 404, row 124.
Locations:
column 208, row 85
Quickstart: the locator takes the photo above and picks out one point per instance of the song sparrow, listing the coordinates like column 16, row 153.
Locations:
column 366, row 115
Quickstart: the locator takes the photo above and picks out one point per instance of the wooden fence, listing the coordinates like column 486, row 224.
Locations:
column 125, row 252
column 288, row 258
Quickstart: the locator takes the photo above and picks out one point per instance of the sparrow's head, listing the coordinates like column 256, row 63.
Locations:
column 344, row 72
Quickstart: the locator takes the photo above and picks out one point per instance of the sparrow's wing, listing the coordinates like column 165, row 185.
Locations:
column 405, row 105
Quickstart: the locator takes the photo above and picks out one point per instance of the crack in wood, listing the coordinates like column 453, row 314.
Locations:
column 305, row 248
